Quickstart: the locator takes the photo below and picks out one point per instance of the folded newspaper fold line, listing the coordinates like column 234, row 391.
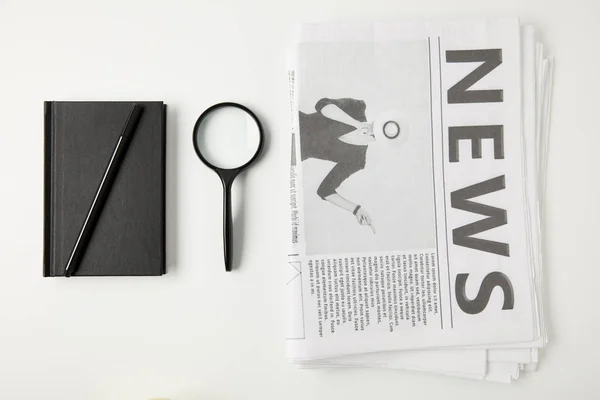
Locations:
column 418, row 170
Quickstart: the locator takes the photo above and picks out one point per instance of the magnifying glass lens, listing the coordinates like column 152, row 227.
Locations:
column 228, row 137
column 391, row 129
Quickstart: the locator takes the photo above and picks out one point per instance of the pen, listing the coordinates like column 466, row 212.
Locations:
column 110, row 173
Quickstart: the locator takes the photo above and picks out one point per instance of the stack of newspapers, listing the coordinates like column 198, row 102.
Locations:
column 417, row 182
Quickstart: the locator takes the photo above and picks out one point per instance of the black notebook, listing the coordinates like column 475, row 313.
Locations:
column 129, row 238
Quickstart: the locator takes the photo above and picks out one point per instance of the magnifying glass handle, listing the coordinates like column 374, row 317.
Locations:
column 227, row 226
column 227, row 222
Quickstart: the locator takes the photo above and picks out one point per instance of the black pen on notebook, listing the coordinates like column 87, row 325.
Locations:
column 111, row 171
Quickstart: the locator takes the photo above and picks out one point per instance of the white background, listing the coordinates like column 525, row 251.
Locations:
column 199, row 333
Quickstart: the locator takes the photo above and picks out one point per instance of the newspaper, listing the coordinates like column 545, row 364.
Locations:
column 417, row 172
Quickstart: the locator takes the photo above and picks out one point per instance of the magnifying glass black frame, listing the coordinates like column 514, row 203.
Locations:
column 227, row 175
column 392, row 136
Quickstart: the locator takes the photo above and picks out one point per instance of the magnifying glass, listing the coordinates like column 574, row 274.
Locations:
column 391, row 129
column 228, row 138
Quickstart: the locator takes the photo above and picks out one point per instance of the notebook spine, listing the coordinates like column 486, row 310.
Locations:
column 164, row 180
column 48, row 118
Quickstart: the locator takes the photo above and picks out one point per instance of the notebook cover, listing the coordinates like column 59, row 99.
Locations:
column 79, row 139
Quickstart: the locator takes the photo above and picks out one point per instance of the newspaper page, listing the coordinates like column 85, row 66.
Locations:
column 408, row 218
